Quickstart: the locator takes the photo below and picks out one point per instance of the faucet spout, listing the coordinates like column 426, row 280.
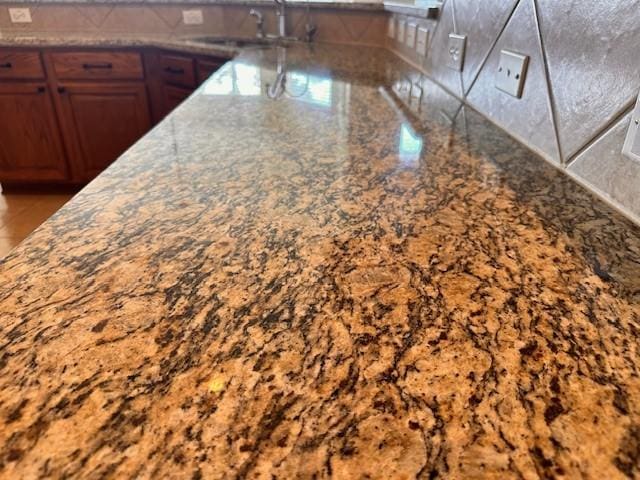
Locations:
column 259, row 22
column 282, row 17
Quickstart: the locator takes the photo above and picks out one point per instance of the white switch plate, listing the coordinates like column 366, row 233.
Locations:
column 411, row 35
column 400, row 31
column 512, row 72
column 391, row 28
column 192, row 17
column 20, row 15
column 632, row 143
column 422, row 42
column 455, row 57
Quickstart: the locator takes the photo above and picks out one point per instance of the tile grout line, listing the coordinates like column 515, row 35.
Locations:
column 493, row 46
column 601, row 132
column 550, row 96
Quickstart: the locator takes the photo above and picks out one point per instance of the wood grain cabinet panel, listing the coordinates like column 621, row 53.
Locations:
column 97, row 65
column 31, row 148
column 174, row 96
column 177, row 70
column 100, row 122
column 21, row 65
column 206, row 68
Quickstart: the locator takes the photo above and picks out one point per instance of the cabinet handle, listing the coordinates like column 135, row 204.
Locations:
column 6, row 65
column 41, row 89
column 92, row 66
column 177, row 71
column 61, row 90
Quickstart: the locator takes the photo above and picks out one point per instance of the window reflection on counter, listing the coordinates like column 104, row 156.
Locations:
column 235, row 79
column 410, row 146
column 249, row 80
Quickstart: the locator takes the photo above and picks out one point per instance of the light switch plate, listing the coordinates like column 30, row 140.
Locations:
column 631, row 147
column 192, row 17
column 391, row 28
column 410, row 40
column 400, row 30
column 455, row 57
column 512, row 72
column 20, row 15
column 422, row 41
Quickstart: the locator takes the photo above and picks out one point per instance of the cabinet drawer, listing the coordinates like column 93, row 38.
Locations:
column 97, row 65
column 21, row 65
column 206, row 68
column 177, row 70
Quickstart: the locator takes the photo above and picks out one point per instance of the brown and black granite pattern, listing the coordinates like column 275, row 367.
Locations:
column 323, row 284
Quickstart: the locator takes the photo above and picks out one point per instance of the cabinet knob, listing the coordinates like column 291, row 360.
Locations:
column 61, row 90
column 41, row 89
column 6, row 65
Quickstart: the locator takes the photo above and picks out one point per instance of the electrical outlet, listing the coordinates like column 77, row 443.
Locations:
column 511, row 73
column 631, row 147
column 391, row 28
column 411, row 35
column 400, row 31
column 20, row 15
column 457, row 45
column 192, row 17
column 422, row 41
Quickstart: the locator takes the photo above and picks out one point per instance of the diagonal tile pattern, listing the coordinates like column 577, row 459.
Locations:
column 436, row 64
column 528, row 118
column 482, row 24
column 593, row 50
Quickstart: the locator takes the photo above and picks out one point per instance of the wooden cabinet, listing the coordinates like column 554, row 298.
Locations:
column 173, row 77
column 206, row 68
column 100, row 121
column 66, row 114
column 21, row 65
column 30, row 142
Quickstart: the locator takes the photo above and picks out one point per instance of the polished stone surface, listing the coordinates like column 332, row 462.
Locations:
column 184, row 44
column 308, row 278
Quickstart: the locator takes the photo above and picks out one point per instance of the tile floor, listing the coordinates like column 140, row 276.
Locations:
column 21, row 214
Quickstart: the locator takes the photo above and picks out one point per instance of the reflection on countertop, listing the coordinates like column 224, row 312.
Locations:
column 357, row 277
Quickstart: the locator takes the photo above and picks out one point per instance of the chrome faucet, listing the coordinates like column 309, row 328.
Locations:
column 282, row 17
column 259, row 22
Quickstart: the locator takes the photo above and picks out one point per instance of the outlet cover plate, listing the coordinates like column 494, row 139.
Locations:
column 192, row 17
column 400, row 31
column 631, row 147
column 422, row 41
column 20, row 15
column 410, row 41
column 391, row 28
column 455, row 55
column 512, row 72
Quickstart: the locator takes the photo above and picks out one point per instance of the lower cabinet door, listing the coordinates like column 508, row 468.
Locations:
column 101, row 121
column 31, row 148
column 174, row 96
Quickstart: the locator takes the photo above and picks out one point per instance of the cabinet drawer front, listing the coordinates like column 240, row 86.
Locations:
column 21, row 65
column 206, row 68
column 97, row 65
column 177, row 70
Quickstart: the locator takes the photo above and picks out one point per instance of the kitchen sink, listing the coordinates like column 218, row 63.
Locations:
column 237, row 42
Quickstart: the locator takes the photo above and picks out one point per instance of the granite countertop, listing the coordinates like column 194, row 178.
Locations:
column 346, row 279
column 185, row 44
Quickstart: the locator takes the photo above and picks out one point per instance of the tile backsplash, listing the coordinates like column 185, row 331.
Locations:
column 582, row 80
column 165, row 20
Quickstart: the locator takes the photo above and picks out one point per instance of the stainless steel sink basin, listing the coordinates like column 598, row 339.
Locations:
column 236, row 42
